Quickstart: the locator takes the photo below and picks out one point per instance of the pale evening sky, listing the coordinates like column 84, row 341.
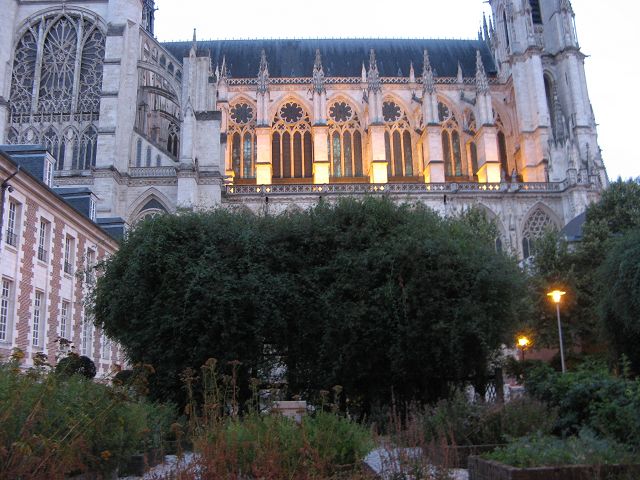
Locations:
column 607, row 32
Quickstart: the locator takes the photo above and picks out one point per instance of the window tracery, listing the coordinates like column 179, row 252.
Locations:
column 56, row 84
column 292, row 146
column 397, row 140
column 241, row 130
column 158, row 115
column 451, row 150
column 344, row 141
column 535, row 227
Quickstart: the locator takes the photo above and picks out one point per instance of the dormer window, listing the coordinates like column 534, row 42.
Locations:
column 92, row 209
column 48, row 173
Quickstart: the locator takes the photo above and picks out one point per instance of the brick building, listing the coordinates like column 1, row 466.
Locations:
column 50, row 241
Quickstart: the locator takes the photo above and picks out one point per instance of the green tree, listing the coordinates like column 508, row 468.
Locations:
column 369, row 295
column 619, row 303
column 574, row 268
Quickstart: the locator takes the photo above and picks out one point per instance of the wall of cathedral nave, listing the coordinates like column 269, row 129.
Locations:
column 339, row 136
column 520, row 218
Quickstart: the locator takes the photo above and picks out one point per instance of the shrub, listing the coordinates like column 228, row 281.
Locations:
column 52, row 425
column 272, row 446
column 464, row 423
column 74, row 364
column 590, row 397
column 542, row 450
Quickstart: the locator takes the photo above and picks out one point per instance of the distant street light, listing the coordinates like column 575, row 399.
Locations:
column 523, row 344
column 556, row 297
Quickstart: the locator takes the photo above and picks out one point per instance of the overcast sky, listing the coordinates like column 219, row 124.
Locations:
column 608, row 34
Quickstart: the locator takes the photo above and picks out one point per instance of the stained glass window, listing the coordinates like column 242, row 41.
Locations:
column 64, row 54
column 345, row 131
column 292, row 147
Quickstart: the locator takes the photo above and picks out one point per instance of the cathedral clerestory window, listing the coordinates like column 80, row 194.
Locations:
column 344, row 141
column 397, row 140
column 55, row 87
column 292, row 146
column 450, row 142
column 241, row 132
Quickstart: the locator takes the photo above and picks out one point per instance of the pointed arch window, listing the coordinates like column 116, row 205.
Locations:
column 451, row 148
column 139, row 153
column 398, row 140
column 55, row 145
column 84, row 150
column 148, row 158
column 57, row 79
column 241, row 129
column 292, row 145
column 345, row 141
column 173, row 140
column 535, row 227
column 502, row 149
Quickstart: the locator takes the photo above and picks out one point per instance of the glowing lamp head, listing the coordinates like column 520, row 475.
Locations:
column 523, row 342
column 556, row 295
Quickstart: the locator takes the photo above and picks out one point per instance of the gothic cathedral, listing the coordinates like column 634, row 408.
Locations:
column 503, row 121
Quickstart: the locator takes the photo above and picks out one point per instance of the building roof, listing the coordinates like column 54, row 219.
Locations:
column 340, row 57
column 573, row 230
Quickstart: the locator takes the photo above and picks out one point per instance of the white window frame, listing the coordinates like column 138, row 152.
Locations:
column 90, row 263
column 69, row 247
column 6, row 309
column 11, row 237
column 38, row 320
column 43, row 240
column 105, row 346
column 87, row 338
column 65, row 310
column 48, row 172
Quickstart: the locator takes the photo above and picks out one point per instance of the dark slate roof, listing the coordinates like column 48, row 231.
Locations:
column 340, row 57
column 573, row 230
column 29, row 157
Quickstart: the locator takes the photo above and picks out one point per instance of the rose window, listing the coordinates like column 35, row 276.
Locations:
column 340, row 112
column 391, row 112
column 291, row 113
column 242, row 113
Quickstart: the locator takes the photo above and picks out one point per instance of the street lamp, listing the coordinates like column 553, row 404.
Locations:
column 523, row 344
column 556, row 297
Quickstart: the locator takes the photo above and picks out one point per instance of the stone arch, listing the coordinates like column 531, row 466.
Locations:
column 538, row 219
column 342, row 97
column 411, row 118
column 154, row 197
column 38, row 15
column 289, row 97
column 494, row 217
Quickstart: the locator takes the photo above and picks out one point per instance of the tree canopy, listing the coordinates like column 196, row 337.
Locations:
column 579, row 268
column 369, row 295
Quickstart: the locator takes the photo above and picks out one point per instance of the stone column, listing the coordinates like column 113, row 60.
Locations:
column 378, row 166
column 264, row 167
column 488, row 157
column 433, row 155
column 321, row 165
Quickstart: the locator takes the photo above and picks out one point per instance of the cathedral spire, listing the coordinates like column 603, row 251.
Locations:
column 194, row 45
column 482, row 83
column 428, row 82
column 318, row 74
column 373, row 77
column 263, row 74
column 412, row 74
column 460, row 76
column 224, row 70
column 485, row 28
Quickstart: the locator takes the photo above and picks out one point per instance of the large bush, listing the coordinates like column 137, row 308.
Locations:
column 369, row 295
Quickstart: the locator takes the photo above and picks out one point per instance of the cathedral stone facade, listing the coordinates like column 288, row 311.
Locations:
column 503, row 121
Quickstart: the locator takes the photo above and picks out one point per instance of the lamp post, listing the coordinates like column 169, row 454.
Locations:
column 556, row 297
column 523, row 344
